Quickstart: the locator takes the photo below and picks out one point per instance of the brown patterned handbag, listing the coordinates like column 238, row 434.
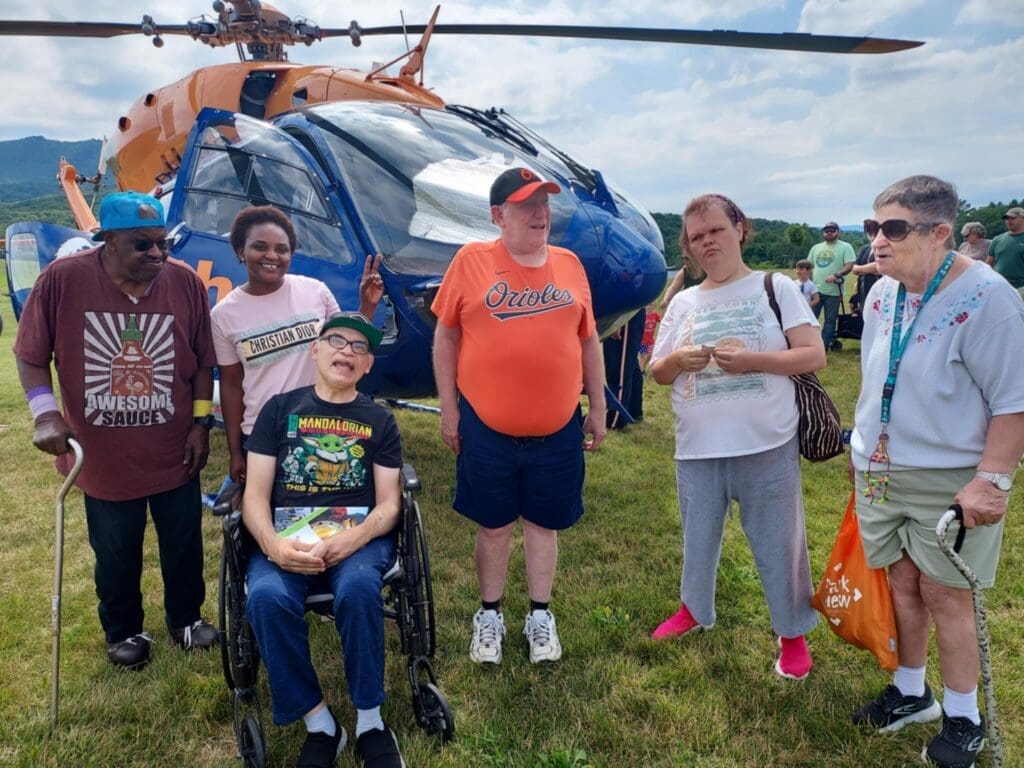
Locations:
column 819, row 430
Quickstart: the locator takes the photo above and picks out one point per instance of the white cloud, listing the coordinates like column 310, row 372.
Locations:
column 853, row 17
column 1007, row 12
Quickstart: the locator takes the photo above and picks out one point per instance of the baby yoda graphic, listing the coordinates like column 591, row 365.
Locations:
column 329, row 459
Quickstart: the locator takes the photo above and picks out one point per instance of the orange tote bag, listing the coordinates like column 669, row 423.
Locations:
column 855, row 599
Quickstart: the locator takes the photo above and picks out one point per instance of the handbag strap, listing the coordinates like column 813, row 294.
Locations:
column 769, row 288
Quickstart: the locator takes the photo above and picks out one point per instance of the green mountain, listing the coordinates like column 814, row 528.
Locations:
column 30, row 165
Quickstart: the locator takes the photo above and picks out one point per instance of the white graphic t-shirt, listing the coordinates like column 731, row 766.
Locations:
column 720, row 414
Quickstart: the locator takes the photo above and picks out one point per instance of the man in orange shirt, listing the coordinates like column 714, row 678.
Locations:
column 515, row 344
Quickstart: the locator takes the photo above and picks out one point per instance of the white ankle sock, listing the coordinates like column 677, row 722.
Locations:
column 368, row 720
column 320, row 721
column 961, row 704
column 910, row 680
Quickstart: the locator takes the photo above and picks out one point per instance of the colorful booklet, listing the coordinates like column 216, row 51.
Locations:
column 312, row 524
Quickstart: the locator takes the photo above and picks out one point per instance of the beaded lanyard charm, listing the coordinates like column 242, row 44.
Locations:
column 876, row 488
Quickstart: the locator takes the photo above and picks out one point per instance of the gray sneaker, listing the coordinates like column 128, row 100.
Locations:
column 488, row 632
column 542, row 636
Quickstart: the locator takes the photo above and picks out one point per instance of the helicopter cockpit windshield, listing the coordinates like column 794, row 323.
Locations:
column 247, row 163
column 420, row 177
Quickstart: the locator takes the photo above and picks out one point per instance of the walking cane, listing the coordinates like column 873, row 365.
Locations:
column 955, row 512
column 58, row 575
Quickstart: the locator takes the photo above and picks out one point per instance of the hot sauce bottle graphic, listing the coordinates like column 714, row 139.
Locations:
column 131, row 371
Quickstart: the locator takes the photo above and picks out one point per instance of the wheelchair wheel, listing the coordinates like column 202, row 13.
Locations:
column 239, row 654
column 222, row 624
column 251, row 747
column 433, row 712
column 422, row 591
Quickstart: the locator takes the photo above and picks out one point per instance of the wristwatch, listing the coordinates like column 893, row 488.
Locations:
column 1000, row 480
column 204, row 421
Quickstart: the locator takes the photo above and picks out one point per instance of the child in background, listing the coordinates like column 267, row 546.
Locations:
column 804, row 283
column 651, row 320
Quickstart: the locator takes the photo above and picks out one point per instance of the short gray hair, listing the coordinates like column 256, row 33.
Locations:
column 973, row 227
column 934, row 199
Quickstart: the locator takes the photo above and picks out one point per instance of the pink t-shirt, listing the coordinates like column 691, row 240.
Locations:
column 271, row 336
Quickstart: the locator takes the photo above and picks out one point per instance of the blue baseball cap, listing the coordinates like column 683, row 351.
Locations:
column 129, row 210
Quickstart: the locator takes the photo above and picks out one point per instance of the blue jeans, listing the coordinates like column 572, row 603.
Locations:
column 830, row 304
column 116, row 532
column 275, row 610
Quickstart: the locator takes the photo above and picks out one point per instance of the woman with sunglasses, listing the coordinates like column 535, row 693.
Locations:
column 263, row 329
column 728, row 361
column 940, row 419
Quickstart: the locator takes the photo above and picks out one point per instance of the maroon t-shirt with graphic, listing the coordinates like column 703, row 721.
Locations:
column 125, row 369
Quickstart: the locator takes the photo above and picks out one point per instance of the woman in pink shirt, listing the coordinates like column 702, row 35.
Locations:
column 263, row 329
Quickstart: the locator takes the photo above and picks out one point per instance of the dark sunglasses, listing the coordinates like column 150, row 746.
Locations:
column 338, row 341
column 830, row 229
column 1005, row 217
column 145, row 244
column 895, row 229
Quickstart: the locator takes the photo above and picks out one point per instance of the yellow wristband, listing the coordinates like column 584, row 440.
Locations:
column 201, row 408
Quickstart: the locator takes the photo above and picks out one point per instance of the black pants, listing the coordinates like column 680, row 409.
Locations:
column 622, row 371
column 116, row 532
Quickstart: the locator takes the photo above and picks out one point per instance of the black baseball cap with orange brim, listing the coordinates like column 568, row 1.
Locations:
column 517, row 184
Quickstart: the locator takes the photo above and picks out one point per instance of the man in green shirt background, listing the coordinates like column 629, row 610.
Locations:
column 832, row 259
column 1006, row 251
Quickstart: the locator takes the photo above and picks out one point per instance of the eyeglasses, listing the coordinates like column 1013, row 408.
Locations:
column 895, row 229
column 145, row 244
column 338, row 341
column 830, row 229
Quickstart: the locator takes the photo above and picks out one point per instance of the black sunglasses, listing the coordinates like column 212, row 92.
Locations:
column 895, row 229
column 145, row 244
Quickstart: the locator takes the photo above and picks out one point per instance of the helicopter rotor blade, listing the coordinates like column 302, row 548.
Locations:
column 785, row 41
column 82, row 29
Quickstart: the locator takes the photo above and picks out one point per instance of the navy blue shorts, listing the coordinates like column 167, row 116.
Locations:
column 500, row 478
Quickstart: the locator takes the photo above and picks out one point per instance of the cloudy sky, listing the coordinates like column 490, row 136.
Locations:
column 801, row 137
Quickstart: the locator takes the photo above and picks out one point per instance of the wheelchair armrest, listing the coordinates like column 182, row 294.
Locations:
column 410, row 480
column 229, row 498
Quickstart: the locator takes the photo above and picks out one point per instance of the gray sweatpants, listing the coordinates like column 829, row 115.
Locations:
column 767, row 487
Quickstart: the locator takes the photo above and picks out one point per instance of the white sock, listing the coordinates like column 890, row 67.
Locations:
column 368, row 720
column 961, row 704
column 910, row 680
column 320, row 721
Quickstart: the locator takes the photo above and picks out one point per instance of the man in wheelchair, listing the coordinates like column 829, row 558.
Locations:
column 325, row 446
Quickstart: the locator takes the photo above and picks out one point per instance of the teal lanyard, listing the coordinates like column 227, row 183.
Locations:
column 898, row 342
column 877, row 484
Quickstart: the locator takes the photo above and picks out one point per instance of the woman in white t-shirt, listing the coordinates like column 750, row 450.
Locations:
column 728, row 361
column 263, row 329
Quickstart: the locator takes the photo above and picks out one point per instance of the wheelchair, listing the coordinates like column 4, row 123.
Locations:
column 408, row 600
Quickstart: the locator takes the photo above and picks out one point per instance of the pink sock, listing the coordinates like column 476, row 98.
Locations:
column 795, row 660
column 676, row 625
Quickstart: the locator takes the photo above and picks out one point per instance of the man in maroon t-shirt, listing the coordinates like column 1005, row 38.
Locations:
column 129, row 334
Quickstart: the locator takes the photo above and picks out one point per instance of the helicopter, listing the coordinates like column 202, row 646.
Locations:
column 363, row 163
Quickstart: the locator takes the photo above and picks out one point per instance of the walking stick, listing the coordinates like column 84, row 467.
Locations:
column 58, row 576
column 955, row 512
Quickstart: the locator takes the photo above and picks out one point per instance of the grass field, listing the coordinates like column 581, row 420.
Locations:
column 616, row 699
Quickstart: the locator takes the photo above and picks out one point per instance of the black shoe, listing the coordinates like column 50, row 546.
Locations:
column 320, row 750
column 130, row 653
column 379, row 749
column 200, row 635
column 892, row 710
column 957, row 744
column 836, row 346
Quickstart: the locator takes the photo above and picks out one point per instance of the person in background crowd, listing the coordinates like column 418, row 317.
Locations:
column 509, row 376
column 128, row 331
column 975, row 245
column 651, row 319
column 807, row 287
column 832, row 260
column 867, row 274
column 728, row 362
column 940, row 419
column 1006, row 251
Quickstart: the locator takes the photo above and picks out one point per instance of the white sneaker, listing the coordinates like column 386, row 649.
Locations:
column 488, row 631
column 543, row 637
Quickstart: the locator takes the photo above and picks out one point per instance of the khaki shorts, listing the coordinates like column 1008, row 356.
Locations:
column 906, row 522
